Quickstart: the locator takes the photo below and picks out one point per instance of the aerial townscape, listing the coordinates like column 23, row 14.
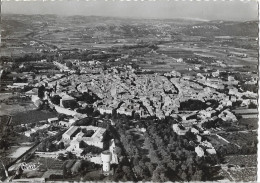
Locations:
column 94, row 98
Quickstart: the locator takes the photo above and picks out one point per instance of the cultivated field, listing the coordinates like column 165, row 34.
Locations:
column 32, row 116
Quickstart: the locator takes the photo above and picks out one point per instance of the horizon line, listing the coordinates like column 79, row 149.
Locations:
column 133, row 17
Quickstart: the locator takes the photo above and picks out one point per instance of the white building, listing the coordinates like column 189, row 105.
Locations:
column 199, row 151
column 53, row 120
column 177, row 129
column 106, row 158
column 70, row 132
column 75, row 133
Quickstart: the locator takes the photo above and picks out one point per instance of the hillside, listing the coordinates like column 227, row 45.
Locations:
column 221, row 28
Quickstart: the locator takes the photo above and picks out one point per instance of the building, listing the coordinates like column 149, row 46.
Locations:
column 72, row 131
column 179, row 129
column 64, row 124
column 65, row 97
column 105, row 109
column 76, row 134
column 199, row 151
column 247, row 113
column 106, row 158
column 53, row 120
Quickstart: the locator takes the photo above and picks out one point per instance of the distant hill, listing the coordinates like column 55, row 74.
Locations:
column 130, row 27
column 223, row 28
column 9, row 26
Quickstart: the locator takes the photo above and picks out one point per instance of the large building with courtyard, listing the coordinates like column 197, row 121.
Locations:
column 91, row 135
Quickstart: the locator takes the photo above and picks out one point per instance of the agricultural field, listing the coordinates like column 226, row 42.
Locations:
column 241, row 138
column 4, row 96
column 243, row 174
column 6, row 52
column 237, row 174
column 19, row 151
column 54, row 164
column 32, row 116
column 12, row 109
column 225, row 176
column 216, row 142
column 159, row 63
column 47, row 167
column 11, row 103
column 31, row 174
column 3, row 121
column 240, row 168
column 54, row 169
column 242, row 160
column 16, row 139
column 48, row 163
column 248, row 124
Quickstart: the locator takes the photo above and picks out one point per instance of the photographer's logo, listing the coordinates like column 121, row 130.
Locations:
column 31, row 166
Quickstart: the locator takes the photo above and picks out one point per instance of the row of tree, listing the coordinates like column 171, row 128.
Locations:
column 176, row 155
column 170, row 156
column 48, row 146
column 89, row 148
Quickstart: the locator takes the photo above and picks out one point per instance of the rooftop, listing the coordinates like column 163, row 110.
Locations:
column 245, row 111
column 107, row 152
column 71, row 130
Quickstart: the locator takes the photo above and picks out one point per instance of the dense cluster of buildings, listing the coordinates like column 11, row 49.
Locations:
column 123, row 91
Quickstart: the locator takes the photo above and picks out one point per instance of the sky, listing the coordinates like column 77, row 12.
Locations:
column 205, row 10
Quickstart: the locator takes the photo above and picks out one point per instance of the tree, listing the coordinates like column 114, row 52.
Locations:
column 92, row 149
column 4, row 144
column 61, row 157
column 87, row 133
column 90, row 97
column 106, row 136
column 250, row 87
column 136, row 160
column 252, row 105
column 82, row 144
column 183, row 176
column 87, row 110
column 50, row 147
column 42, row 147
column 172, row 165
column 41, row 90
column 150, row 167
column 66, row 172
column 96, row 113
column 118, row 151
column 61, row 117
column 192, row 105
column 83, row 122
column 153, row 156
column 127, row 171
column 56, row 99
column 70, row 155
column 61, row 145
column 159, row 174
column 72, row 104
column 197, row 176
column 69, row 64
column 190, row 170
column 184, row 167
column 136, row 116
column 190, row 135
column 209, row 124
column 156, row 176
